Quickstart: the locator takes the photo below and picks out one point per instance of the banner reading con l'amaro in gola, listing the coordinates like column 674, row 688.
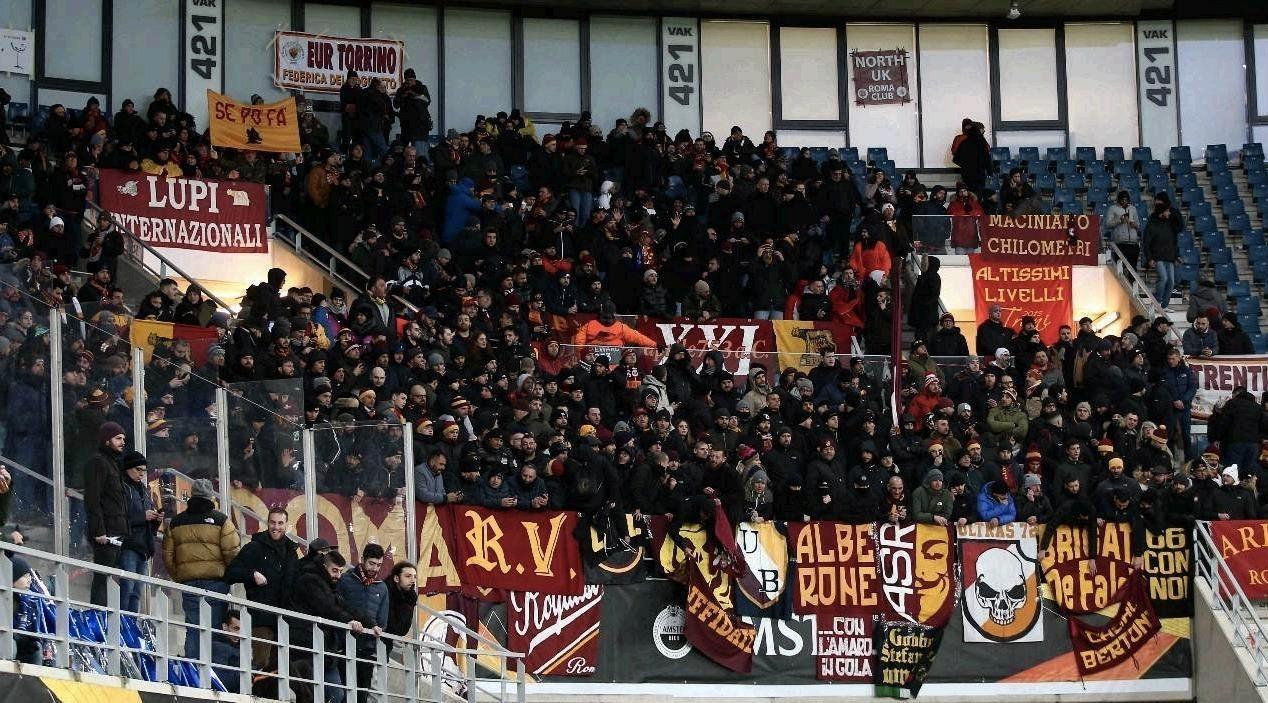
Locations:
column 188, row 213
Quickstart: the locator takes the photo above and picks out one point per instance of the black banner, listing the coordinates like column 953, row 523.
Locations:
column 904, row 656
column 1168, row 571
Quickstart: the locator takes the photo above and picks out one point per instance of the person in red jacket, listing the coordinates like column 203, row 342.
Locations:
column 964, row 210
column 869, row 255
column 926, row 400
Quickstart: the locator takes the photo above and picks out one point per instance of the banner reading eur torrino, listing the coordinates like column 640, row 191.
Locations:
column 320, row 64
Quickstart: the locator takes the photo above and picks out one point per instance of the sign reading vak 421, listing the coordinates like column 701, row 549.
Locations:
column 680, row 61
column 202, row 53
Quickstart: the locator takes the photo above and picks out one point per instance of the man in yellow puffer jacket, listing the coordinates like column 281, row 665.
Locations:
column 200, row 544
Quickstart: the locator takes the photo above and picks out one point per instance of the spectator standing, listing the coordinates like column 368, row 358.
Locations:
column 1122, row 224
column 1162, row 245
column 413, row 102
column 200, row 545
column 267, row 566
column 106, row 505
column 315, row 595
column 367, row 596
column 144, row 521
column 402, row 591
column 580, row 171
column 972, row 154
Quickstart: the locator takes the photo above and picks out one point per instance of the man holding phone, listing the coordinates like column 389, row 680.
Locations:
column 1122, row 223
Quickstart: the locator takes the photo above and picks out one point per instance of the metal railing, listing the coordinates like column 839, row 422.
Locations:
column 42, row 624
column 326, row 258
column 1227, row 597
column 165, row 268
column 1132, row 279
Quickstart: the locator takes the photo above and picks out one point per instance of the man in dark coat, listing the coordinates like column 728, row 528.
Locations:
column 105, row 504
column 267, row 566
column 993, row 334
column 315, row 594
column 402, row 592
column 922, row 314
column 366, row 595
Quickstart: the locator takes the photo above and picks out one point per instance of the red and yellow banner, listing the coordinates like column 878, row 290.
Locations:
column 1043, row 291
column 801, row 342
column 151, row 336
column 189, row 213
column 1098, row 648
column 246, row 127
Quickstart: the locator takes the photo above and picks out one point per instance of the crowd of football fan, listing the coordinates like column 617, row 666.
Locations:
column 499, row 237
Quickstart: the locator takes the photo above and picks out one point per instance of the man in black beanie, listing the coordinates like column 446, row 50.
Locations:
column 105, row 504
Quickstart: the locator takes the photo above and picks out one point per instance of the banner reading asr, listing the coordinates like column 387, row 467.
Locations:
column 266, row 127
column 319, row 64
column 1021, row 288
column 188, row 213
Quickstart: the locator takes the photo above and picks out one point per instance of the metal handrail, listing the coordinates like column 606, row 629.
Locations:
column 1128, row 275
column 163, row 260
column 302, row 235
column 423, row 656
column 1249, row 632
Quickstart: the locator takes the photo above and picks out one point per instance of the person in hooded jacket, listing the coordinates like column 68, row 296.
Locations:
column 315, row 594
column 922, row 310
column 995, row 504
column 932, row 501
column 460, row 206
column 947, row 340
column 860, row 503
column 759, row 499
column 1233, row 501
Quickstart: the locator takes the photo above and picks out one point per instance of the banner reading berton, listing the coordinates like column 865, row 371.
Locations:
column 264, row 127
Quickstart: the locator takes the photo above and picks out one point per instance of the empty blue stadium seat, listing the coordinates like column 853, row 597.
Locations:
column 1180, row 167
column 1007, row 165
column 1254, row 148
column 1212, row 239
column 1141, row 154
column 1217, row 164
column 1112, row 153
column 1233, row 207
column 850, row 153
column 790, row 153
column 1256, row 252
column 1072, row 207
column 1249, row 306
column 1239, row 289
column 1180, row 152
column 1097, row 195
column 1129, row 181
column 1100, row 208
column 1057, row 153
column 1220, row 255
column 1028, row 154
column 1077, row 181
column 877, row 154
column 1150, row 168
column 1239, row 222
column 1256, row 178
column 1221, row 178
column 1260, row 342
column 1190, row 257
column 1216, row 151
column 1066, row 167
column 1203, row 224
column 1101, row 179
column 1158, row 181
column 1186, row 240
column 1062, row 195
column 1224, row 273
column 819, row 154
column 1186, row 180
column 1122, row 168
column 1226, row 192
column 1045, row 181
column 1200, row 208
column 1259, row 269
column 1253, row 238
column 1186, row 273
column 1085, row 154
column 1000, row 153
column 1252, row 163
column 992, row 183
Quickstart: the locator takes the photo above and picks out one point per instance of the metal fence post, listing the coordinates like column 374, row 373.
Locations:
column 222, row 449
column 310, row 483
column 114, row 631
column 61, row 506
column 411, row 516
column 62, row 584
column 7, row 647
column 245, row 649
column 138, row 399
column 284, row 659
column 437, row 675
column 163, row 633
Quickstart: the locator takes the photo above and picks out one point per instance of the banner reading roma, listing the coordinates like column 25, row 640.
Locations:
column 1244, row 546
column 835, row 572
column 740, row 341
column 318, row 64
column 268, row 127
column 558, row 634
column 1042, row 239
column 1041, row 291
column 1097, row 648
column 802, row 342
column 880, row 77
column 188, row 213
column 1218, row 377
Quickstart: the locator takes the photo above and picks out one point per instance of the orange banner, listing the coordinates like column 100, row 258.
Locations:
column 1042, row 291
column 270, row 127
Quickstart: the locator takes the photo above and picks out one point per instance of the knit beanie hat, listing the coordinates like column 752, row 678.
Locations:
column 108, row 431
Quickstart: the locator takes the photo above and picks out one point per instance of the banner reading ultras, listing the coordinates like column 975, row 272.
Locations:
column 319, row 64
column 1042, row 239
column 188, row 213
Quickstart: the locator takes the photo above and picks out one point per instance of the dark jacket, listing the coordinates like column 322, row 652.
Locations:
column 400, row 610
column 315, row 594
column 922, row 314
column 369, row 601
column 277, row 561
column 1162, row 237
column 104, row 500
column 140, row 535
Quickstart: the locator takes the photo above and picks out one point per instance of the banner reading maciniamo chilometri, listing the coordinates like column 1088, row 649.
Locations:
column 188, row 213
column 247, row 127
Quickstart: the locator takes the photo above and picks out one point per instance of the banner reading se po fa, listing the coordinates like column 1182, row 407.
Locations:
column 264, row 127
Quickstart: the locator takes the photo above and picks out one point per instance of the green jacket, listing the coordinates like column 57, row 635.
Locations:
column 1011, row 421
column 926, row 502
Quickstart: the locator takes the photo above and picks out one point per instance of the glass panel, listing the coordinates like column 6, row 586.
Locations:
column 266, row 457
column 364, row 484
